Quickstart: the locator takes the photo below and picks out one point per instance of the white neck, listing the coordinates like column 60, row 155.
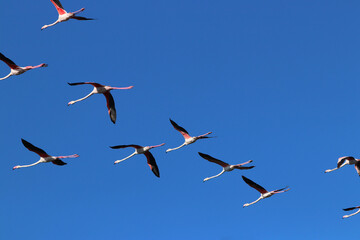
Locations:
column 72, row 102
column 30, row 165
column 6, row 76
column 118, row 161
column 206, row 179
column 46, row 26
column 248, row 204
column 172, row 149
column 346, row 216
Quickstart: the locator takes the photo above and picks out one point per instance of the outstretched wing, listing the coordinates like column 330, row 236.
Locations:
column 111, row 106
column 58, row 162
column 81, row 18
column 10, row 63
column 81, row 83
column 241, row 167
column 343, row 159
column 34, row 149
column 125, row 146
column 254, row 185
column 357, row 167
column 58, row 6
column 152, row 163
column 349, row 209
column 214, row 160
column 180, row 129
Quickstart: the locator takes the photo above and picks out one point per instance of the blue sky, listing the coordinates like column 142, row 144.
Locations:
column 276, row 82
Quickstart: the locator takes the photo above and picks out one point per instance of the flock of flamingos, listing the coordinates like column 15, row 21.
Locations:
column 102, row 89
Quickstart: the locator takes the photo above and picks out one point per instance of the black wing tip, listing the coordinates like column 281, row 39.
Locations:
column 113, row 147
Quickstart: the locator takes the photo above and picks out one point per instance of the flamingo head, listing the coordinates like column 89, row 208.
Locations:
column 71, row 102
column 43, row 27
column 16, row 167
column 43, row 65
column 246, row 204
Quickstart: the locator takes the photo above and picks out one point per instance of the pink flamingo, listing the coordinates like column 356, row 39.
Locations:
column 15, row 69
column 264, row 193
column 188, row 138
column 98, row 88
column 349, row 209
column 44, row 157
column 343, row 161
column 142, row 150
column 226, row 167
column 64, row 16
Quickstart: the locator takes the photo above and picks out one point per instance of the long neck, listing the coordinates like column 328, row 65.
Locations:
column 30, row 165
column 118, row 161
column 255, row 201
column 72, row 102
column 6, row 76
column 346, row 216
column 46, row 26
column 172, row 149
column 206, row 179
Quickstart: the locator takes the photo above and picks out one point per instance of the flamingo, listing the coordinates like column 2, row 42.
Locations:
column 226, row 167
column 15, row 69
column 142, row 150
column 264, row 193
column 343, row 161
column 188, row 138
column 63, row 15
column 349, row 209
column 44, row 157
column 98, row 88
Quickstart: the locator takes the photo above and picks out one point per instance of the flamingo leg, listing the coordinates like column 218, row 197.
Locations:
column 80, row 10
column 172, row 149
column 6, row 76
column 72, row 102
column 206, row 179
column 346, row 216
column 118, row 161
column 70, row 156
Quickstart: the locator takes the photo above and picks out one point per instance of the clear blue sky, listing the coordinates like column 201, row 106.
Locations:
column 276, row 81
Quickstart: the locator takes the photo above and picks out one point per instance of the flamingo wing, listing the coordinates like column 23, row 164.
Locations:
column 254, row 185
column 58, row 6
column 81, row 83
column 241, row 167
column 180, row 129
column 343, row 159
column 34, row 149
column 10, row 63
column 214, row 160
column 281, row 189
column 125, row 146
column 357, row 167
column 58, row 162
column 81, row 18
column 349, row 209
column 152, row 163
column 111, row 106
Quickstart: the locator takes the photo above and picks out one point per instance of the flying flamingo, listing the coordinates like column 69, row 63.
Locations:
column 98, row 88
column 188, row 138
column 226, row 167
column 44, row 157
column 349, row 209
column 263, row 192
column 63, row 15
column 15, row 69
column 343, row 161
column 142, row 150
